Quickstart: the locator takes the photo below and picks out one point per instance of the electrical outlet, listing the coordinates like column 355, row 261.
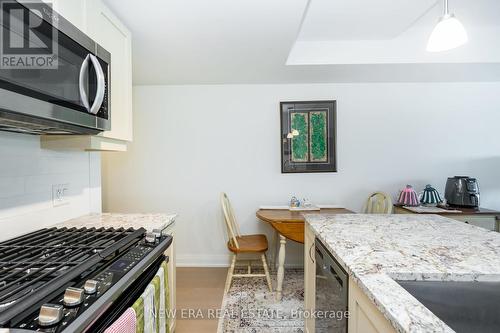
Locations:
column 60, row 195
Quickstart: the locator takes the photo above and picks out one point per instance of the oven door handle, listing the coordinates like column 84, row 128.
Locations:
column 101, row 85
column 83, row 73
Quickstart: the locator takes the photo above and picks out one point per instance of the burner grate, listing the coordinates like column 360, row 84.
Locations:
column 34, row 265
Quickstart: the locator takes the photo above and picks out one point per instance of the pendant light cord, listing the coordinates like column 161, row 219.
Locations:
column 446, row 12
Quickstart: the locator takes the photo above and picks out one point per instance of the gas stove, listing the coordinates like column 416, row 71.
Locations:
column 75, row 279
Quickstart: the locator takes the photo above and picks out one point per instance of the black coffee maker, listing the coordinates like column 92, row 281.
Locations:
column 462, row 191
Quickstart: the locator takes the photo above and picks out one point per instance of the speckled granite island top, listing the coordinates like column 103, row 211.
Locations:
column 377, row 249
column 149, row 222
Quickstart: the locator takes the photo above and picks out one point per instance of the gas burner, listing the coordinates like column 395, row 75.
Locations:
column 11, row 300
column 75, row 280
column 36, row 262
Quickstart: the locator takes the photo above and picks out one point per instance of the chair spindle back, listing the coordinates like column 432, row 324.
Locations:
column 233, row 230
column 378, row 203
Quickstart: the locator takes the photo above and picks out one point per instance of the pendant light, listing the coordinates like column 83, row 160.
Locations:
column 448, row 34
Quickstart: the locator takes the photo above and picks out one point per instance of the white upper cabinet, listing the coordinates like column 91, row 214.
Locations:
column 105, row 28
column 72, row 10
column 96, row 20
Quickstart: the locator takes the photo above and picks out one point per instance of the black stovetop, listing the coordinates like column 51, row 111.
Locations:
column 39, row 264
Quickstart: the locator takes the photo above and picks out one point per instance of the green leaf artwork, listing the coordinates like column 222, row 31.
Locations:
column 318, row 146
column 300, row 146
column 308, row 136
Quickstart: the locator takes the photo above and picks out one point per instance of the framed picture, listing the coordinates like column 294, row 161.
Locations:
column 308, row 136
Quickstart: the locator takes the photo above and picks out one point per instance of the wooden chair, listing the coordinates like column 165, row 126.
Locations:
column 378, row 203
column 246, row 244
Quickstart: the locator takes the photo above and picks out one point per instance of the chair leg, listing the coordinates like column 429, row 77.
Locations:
column 230, row 274
column 266, row 270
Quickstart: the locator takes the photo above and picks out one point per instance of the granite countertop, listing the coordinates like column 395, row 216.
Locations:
column 151, row 222
column 377, row 249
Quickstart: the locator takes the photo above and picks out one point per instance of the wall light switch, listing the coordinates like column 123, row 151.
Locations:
column 60, row 195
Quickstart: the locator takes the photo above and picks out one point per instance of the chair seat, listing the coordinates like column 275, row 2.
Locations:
column 249, row 243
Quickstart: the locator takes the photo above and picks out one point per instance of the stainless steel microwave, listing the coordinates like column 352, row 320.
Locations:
column 54, row 79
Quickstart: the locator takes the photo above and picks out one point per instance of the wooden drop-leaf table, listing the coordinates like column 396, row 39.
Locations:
column 290, row 225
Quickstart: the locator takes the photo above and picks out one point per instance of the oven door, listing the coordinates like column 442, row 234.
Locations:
column 331, row 293
column 127, row 299
column 51, row 70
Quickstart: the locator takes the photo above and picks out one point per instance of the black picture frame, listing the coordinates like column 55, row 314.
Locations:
column 328, row 164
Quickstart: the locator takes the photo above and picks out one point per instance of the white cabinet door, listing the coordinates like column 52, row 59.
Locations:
column 105, row 28
column 309, row 278
column 364, row 317
column 72, row 10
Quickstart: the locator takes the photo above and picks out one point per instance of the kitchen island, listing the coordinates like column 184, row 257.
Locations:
column 377, row 250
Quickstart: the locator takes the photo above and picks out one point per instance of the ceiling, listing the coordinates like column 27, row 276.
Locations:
column 205, row 41
column 336, row 32
column 361, row 19
column 249, row 41
column 387, row 19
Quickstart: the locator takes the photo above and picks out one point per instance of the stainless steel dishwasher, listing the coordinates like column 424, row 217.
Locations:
column 331, row 293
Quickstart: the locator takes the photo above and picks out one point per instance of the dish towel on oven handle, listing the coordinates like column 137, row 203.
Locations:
column 152, row 309
column 162, row 313
column 166, row 295
column 126, row 323
column 156, row 302
column 138, row 307
column 165, row 312
column 147, row 308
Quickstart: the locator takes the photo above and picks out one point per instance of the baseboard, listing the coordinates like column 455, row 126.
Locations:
column 195, row 260
column 206, row 260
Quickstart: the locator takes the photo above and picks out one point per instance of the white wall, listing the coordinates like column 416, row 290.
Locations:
column 191, row 142
column 27, row 174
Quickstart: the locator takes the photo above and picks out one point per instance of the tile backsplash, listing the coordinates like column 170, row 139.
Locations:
column 27, row 178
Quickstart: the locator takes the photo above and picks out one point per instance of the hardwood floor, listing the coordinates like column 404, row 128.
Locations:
column 198, row 289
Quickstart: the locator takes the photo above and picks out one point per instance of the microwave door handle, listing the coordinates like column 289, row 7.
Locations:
column 101, row 85
column 83, row 73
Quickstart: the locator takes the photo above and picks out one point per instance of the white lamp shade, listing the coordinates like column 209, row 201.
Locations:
column 448, row 34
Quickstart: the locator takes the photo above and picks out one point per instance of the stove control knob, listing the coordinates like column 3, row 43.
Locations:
column 90, row 287
column 73, row 296
column 150, row 237
column 50, row 314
